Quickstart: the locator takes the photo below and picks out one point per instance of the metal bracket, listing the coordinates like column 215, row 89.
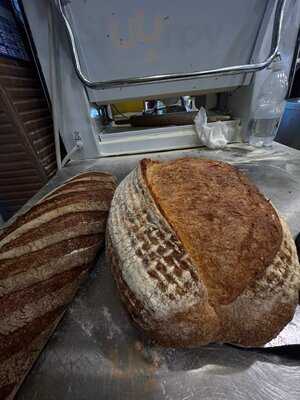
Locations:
column 233, row 70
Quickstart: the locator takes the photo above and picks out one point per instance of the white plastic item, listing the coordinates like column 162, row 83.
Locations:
column 215, row 135
column 269, row 108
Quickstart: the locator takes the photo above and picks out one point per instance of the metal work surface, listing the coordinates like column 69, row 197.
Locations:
column 97, row 354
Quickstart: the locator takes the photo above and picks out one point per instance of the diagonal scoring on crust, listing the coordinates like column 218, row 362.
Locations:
column 153, row 271
column 220, row 217
column 45, row 254
column 166, row 292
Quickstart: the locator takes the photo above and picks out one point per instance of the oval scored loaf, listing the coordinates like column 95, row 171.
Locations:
column 44, row 255
column 199, row 255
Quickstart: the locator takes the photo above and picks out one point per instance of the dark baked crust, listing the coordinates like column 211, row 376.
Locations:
column 163, row 282
column 157, row 281
column 227, row 226
column 268, row 304
column 44, row 255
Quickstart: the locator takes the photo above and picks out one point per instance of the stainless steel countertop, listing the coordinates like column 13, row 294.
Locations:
column 97, row 354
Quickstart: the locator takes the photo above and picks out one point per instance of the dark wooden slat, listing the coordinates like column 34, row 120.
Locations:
column 15, row 190
column 18, row 202
column 41, row 133
column 48, row 158
column 21, row 170
column 23, row 94
column 21, row 191
column 19, row 82
column 52, row 172
column 14, row 62
column 6, row 97
column 7, row 130
column 16, row 71
column 12, row 148
column 43, row 141
column 45, row 122
column 6, row 125
column 45, row 151
column 51, row 168
column 17, row 156
column 51, row 164
column 34, row 114
column 27, row 150
column 6, row 138
column 16, row 180
column 4, row 118
column 15, row 165
column 29, row 104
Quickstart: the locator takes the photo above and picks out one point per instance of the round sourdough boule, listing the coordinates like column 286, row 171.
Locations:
column 199, row 255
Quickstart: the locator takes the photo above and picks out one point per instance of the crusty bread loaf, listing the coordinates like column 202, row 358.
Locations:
column 199, row 255
column 44, row 255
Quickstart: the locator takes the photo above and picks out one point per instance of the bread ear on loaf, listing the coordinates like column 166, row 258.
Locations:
column 199, row 255
column 44, row 255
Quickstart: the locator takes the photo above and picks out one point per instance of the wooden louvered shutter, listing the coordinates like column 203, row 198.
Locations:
column 27, row 151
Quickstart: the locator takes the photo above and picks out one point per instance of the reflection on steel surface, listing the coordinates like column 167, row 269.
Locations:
column 96, row 353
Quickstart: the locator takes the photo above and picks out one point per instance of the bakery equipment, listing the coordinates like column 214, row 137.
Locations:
column 97, row 54
column 104, row 52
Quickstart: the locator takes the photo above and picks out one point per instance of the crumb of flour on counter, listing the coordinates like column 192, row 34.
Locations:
column 152, row 357
column 156, row 359
column 112, row 328
column 138, row 346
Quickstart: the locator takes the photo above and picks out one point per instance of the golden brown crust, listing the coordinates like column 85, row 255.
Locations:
column 269, row 303
column 44, row 256
column 220, row 217
column 157, row 281
column 170, row 295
